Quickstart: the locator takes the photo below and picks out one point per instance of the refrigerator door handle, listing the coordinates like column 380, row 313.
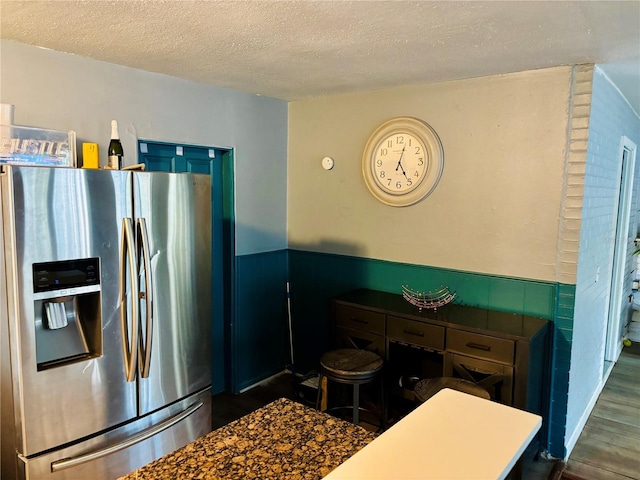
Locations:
column 145, row 349
column 127, row 256
column 87, row 457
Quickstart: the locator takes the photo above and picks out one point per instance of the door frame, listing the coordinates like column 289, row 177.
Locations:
column 223, row 281
column 613, row 337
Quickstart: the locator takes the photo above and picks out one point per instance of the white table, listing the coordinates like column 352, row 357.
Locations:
column 452, row 435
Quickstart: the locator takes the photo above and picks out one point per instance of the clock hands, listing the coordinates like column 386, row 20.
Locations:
column 400, row 163
column 403, row 172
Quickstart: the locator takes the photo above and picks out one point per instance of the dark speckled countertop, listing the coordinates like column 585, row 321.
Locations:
column 283, row 440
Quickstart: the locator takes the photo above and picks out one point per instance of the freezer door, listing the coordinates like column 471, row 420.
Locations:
column 175, row 353
column 127, row 448
column 51, row 215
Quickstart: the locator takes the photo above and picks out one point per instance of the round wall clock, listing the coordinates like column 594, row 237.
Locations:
column 402, row 161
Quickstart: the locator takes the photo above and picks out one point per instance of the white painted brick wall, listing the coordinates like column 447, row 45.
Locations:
column 575, row 169
column 599, row 169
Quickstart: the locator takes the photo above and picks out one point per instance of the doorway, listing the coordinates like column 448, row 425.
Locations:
column 613, row 345
column 218, row 163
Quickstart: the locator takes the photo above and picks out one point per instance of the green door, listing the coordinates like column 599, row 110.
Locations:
column 217, row 162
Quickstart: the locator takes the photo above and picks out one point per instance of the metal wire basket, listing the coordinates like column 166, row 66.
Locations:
column 430, row 300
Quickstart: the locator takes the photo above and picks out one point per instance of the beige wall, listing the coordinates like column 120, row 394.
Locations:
column 496, row 209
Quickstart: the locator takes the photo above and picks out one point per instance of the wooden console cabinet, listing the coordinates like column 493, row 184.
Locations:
column 503, row 352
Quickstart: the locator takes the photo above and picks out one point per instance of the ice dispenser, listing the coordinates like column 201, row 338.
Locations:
column 68, row 320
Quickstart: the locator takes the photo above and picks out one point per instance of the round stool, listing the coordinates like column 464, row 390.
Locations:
column 425, row 389
column 352, row 367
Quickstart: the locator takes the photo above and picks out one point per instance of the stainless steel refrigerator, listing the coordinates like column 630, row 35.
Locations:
column 105, row 319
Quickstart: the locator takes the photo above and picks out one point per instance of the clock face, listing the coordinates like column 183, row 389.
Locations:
column 399, row 163
column 402, row 161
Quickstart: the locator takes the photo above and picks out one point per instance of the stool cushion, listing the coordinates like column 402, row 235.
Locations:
column 350, row 363
column 425, row 389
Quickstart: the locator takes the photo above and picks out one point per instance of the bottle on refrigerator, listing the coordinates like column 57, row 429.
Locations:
column 115, row 152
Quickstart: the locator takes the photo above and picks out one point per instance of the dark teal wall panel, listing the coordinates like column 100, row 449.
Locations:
column 260, row 334
column 314, row 280
column 561, row 363
column 316, row 277
column 261, row 331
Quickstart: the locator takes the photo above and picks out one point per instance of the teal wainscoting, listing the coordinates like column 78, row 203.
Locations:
column 259, row 337
column 260, row 334
column 317, row 277
column 561, row 362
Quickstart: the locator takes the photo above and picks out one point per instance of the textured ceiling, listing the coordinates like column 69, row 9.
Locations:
column 302, row 49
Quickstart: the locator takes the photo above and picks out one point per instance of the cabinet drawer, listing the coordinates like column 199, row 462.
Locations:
column 417, row 333
column 481, row 346
column 360, row 319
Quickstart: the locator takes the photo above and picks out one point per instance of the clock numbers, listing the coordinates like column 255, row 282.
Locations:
column 399, row 185
column 399, row 163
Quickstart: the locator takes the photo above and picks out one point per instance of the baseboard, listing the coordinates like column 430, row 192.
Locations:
column 266, row 380
column 573, row 439
column 587, row 412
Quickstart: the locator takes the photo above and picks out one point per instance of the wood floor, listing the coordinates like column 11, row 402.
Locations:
column 227, row 407
column 609, row 446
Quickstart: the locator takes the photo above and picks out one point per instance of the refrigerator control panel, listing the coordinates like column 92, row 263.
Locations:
column 66, row 274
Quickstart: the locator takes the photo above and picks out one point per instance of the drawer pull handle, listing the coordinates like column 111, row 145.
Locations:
column 414, row 333
column 479, row 346
column 359, row 320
